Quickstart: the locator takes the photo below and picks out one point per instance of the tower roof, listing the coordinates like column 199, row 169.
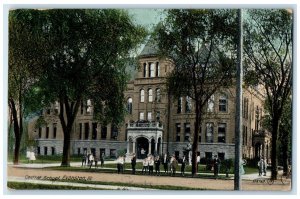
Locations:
column 150, row 49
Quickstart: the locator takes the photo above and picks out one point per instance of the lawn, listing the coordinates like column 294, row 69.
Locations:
column 31, row 186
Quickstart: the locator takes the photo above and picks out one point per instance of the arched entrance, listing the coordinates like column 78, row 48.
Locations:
column 142, row 145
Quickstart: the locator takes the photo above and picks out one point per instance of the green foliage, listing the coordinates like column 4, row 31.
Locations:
column 196, row 41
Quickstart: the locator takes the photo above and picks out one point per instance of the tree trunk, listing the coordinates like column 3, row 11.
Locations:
column 284, row 147
column 17, row 131
column 275, row 127
column 196, row 140
column 66, row 148
column 71, row 112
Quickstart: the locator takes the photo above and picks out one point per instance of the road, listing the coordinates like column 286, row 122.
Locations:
column 31, row 174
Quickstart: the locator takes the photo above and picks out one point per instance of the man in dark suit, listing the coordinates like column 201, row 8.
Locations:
column 165, row 161
column 133, row 163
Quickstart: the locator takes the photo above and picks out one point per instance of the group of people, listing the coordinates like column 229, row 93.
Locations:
column 88, row 159
column 152, row 163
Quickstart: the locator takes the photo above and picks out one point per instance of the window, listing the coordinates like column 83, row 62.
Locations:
column 103, row 132
column 223, row 103
column 157, row 69
column 39, row 150
column 211, row 104
column 54, row 130
column 86, row 130
column 179, row 105
column 40, row 132
column 45, row 150
column 187, row 131
column 209, row 132
column 102, row 152
column 142, row 95
column 256, row 118
column 221, row 132
column 129, row 105
column 81, row 107
column 113, row 153
column 221, row 156
column 157, row 115
column 142, row 116
column 78, row 151
column 47, row 132
column 149, row 116
column 56, row 107
column 80, row 131
column 114, row 132
column 94, row 131
column 52, row 151
column 150, row 95
column 158, row 95
column 208, row 155
column 178, row 129
column 145, row 70
column 151, row 68
column 188, row 104
column 88, row 106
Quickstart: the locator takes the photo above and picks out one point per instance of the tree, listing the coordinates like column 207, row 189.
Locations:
column 284, row 135
column 268, row 48
column 24, row 62
column 86, row 58
column 196, row 40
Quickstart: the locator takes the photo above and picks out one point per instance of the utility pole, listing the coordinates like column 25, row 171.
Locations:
column 238, row 115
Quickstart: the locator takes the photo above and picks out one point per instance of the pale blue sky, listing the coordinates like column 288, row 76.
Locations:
column 146, row 17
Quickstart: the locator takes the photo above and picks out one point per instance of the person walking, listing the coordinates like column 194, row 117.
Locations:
column 157, row 165
column 165, row 161
column 145, row 166
column 133, row 163
column 96, row 161
column 216, row 164
column 102, row 159
column 184, row 161
column 119, row 160
column 151, row 165
column 174, row 164
column 83, row 160
column 91, row 160
column 32, row 156
column 262, row 167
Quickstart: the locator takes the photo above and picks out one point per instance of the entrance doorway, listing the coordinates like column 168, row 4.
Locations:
column 142, row 147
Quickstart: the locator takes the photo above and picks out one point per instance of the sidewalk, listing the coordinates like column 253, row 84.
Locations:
column 78, row 164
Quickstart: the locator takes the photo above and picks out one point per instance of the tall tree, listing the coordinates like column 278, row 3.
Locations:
column 196, row 41
column 87, row 51
column 268, row 47
column 24, row 65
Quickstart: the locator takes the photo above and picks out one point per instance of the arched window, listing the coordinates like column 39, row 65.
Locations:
column 179, row 105
column 223, row 103
column 129, row 105
column 142, row 94
column 158, row 95
column 150, row 95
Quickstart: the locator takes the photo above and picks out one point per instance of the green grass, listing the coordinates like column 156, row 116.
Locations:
column 31, row 186
column 45, row 159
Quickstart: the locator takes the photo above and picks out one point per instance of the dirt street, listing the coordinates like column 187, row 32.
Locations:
column 210, row 184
